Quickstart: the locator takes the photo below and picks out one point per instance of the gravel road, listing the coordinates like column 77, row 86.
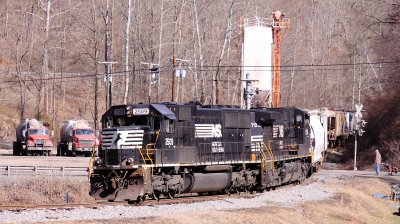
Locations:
column 9, row 160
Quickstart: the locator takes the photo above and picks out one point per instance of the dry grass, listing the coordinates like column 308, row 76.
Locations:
column 43, row 190
column 353, row 203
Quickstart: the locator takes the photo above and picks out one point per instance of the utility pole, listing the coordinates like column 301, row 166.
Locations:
column 108, row 81
column 173, row 78
column 153, row 68
column 180, row 73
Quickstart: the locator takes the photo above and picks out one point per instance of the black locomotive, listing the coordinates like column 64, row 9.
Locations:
column 166, row 149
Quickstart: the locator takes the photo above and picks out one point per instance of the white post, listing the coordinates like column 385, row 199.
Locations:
column 355, row 151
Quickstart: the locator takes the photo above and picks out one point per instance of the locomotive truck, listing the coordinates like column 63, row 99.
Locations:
column 32, row 139
column 166, row 149
column 77, row 137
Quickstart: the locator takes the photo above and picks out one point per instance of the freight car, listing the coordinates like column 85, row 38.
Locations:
column 339, row 125
column 166, row 149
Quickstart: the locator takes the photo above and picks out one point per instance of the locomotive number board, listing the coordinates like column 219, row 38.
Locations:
column 140, row 111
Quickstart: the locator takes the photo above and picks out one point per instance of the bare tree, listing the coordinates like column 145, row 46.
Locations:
column 128, row 25
column 95, row 42
column 200, row 52
column 228, row 29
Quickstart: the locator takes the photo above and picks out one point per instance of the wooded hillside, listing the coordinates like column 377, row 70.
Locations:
column 337, row 53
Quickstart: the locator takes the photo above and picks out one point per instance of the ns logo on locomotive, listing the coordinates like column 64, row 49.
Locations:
column 167, row 149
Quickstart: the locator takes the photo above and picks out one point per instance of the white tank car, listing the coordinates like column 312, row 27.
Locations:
column 23, row 126
column 66, row 134
column 318, row 135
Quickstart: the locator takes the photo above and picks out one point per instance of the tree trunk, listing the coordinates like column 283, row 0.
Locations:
column 200, row 52
column 128, row 25
column 215, row 84
column 45, row 65
column 95, row 38
column 159, row 48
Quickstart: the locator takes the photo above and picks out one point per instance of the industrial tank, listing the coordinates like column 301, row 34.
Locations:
column 24, row 126
column 66, row 133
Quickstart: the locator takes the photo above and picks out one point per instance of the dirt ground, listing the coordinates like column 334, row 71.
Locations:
column 354, row 202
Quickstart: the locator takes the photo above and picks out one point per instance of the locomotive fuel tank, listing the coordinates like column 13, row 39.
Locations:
column 208, row 182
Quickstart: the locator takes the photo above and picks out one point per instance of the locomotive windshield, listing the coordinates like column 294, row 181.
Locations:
column 131, row 121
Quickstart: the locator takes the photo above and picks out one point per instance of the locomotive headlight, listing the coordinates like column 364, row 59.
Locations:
column 128, row 110
column 98, row 162
column 129, row 161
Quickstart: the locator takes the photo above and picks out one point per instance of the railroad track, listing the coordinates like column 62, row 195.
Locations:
column 182, row 199
column 148, row 202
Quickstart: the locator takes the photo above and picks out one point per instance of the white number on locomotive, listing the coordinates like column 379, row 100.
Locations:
column 140, row 111
column 169, row 141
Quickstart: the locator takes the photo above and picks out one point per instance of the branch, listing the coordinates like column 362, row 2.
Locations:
column 33, row 15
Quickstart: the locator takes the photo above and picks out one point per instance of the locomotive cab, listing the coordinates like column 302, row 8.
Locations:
column 131, row 133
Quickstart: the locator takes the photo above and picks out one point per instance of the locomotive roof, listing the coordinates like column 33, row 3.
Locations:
column 166, row 109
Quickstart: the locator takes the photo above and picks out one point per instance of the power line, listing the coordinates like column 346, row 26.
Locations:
column 225, row 68
column 313, row 65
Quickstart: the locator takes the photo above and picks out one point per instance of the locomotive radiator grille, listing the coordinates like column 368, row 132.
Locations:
column 122, row 139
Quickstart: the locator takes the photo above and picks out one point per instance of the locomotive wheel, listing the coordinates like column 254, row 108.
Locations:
column 139, row 200
column 171, row 194
column 156, row 195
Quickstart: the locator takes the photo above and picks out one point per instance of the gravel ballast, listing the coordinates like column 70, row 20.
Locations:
column 282, row 197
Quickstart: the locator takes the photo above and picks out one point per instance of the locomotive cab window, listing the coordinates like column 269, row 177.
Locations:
column 157, row 123
column 140, row 120
column 120, row 121
column 299, row 120
column 108, row 122
column 169, row 126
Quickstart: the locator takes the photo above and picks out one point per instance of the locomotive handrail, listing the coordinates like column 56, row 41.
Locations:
column 270, row 153
column 147, row 151
column 148, row 154
column 91, row 162
column 144, row 161
column 264, row 158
